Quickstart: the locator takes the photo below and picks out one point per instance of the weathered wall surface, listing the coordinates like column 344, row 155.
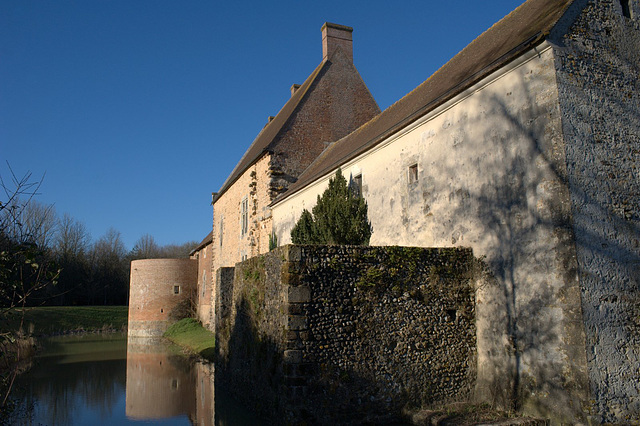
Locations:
column 205, row 413
column 348, row 333
column 152, row 294
column 230, row 244
column 337, row 104
column 598, row 63
column 491, row 175
column 204, row 293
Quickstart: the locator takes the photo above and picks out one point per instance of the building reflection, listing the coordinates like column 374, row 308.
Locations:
column 205, row 394
column 162, row 385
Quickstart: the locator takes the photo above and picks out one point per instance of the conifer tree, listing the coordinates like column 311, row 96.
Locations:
column 303, row 232
column 339, row 217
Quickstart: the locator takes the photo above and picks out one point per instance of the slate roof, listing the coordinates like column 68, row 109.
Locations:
column 522, row 29
column 269, row 133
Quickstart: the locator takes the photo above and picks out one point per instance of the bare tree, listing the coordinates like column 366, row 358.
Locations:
column 25, row 268
column 110, row 269
column 72, row 238
column 146, row 248
column 39, row 223
column 110, row 245
column 16, row 193
column 177, row 251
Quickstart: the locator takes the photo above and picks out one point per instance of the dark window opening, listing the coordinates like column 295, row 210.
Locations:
column 451, row 314
column 626, row 8
column 413, row 173
column 356, row 185
column 176, row 289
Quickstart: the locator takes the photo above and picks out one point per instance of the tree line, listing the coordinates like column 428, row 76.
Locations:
column 48, row 259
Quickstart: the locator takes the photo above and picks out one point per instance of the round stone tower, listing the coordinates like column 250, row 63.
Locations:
column 157, row 286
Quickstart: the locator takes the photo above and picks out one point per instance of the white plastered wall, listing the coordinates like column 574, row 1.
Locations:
column 491, row 176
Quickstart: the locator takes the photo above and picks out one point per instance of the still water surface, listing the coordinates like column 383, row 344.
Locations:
column 105, row 380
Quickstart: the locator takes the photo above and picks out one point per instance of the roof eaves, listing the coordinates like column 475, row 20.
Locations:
column 429, row 95
column 513, row 54
column 206, row 241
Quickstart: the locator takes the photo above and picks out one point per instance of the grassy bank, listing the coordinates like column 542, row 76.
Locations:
column 190, row 334
column 52, row 320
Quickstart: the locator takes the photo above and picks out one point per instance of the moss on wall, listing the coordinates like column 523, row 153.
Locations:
column 334, row 333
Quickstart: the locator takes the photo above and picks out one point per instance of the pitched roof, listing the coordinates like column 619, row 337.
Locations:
column 269, row 133
column 206, row 241
column 525, row 27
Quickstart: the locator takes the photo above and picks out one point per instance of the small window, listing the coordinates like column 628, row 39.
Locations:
column 358, row 182
column 221, row 229
column 626, row 8
column 244, row 216
column 355, row 184
column 176, row 289
column 204, row 282
column 413, row 173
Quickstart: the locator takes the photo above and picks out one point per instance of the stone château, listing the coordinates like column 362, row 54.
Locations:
column 525, row 148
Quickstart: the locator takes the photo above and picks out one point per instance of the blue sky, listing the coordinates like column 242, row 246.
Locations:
column 136, row 110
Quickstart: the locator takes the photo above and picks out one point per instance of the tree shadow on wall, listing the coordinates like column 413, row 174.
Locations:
column 256, row 375
column 527, row 238
column 250, row 365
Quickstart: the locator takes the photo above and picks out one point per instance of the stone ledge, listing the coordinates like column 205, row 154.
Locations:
column 300, row 294
column 297, row 322
column 293, row 356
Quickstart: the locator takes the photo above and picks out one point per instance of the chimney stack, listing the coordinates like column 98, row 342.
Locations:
column 334, row 36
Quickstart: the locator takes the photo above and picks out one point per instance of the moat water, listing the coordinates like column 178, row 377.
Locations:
column 106, row 380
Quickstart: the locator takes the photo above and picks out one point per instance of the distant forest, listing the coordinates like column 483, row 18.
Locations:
column 50, row 260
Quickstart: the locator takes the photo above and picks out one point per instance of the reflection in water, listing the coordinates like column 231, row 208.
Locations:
column 72, row 377
column 159, row 385
column 99, row 379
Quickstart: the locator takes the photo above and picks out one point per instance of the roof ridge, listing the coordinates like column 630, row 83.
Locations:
column 505, row 40
column 206, row 240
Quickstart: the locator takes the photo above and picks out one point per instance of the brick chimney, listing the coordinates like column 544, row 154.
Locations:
column 334, row 36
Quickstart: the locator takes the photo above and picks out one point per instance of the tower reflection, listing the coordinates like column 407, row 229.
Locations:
column 163, row 385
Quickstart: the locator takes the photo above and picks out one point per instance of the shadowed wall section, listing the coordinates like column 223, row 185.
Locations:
column 343, row 333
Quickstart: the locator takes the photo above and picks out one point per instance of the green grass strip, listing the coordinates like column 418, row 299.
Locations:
column 51, row 320
column 191, row 334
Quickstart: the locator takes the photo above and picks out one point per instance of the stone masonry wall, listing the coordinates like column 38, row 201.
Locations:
column 230, row 244
column 338, row 103
column 204, row 288
column 490, row 175
column 331, row 334
column 597, row 54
